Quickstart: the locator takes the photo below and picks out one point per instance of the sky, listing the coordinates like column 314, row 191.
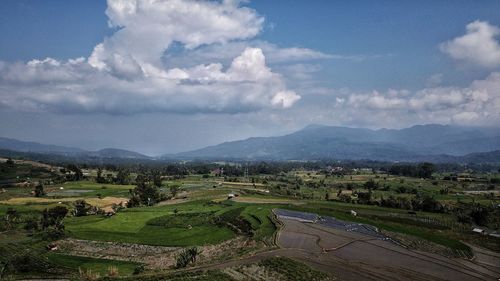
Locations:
column 167, row 76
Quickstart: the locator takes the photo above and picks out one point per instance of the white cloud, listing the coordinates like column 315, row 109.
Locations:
column 147, row 28
column 477, row 104
column 478, row 46
column 285, row 99
column 125, row 73
column 274, row 53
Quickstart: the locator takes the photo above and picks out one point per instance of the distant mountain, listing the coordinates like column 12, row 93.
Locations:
column 34, row 147
column 118, row 153
column 482, row 157
column 314, row 142
column 27, row 146
column 435, row 143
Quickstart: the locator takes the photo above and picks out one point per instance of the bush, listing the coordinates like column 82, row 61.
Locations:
column 187, row 256
column 112, row 271
column 39, row 192
column 139, row 269
column 88, row 274
column 133, row 202
column 81, row 208
column 480, row 215
column 234, row 221
column 345, row 198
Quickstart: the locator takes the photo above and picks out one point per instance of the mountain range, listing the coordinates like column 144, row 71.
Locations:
column 315, row 142
column 436, row 143
column 34, row 147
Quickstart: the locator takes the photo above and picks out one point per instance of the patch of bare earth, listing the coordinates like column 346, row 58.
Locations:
column 355, row 256
column 253, row 272
column 155, row 257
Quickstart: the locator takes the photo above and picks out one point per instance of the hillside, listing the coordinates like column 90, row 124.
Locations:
column 34, row 147
column 328, row 142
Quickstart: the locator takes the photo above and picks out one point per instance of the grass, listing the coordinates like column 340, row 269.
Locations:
column 259, row 218
column 186, row 224
column 143, row 226
column 88, row 189
column 96, row 265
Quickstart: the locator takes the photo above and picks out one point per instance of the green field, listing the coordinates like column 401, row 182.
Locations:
column 131, row 226
column 101, row 266
column 88, row 189
column 200, row 214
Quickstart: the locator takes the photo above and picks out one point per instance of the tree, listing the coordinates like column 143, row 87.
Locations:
column 122, row 177
column 426, row 170
column 365, row 197
column 31, row 225
column 11, row 216
column 39, row 191
column 187, row 256
column 157, row 180
column 10, row 162
column 174, row 190
column 143, row 193
column 133, row 202
column 100, row 178
column 81, row 208
column 77, row 173
column 53, row 217
column 371, row 184
column 480, row 215
column 194, row 252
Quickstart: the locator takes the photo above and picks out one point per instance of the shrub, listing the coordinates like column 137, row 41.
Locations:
column 345, row 198
column 139, row 269
column 187, row 256
column 81, row 208
column 88, row 274
column 39, row 192
column 133, row 202
column 112, row 271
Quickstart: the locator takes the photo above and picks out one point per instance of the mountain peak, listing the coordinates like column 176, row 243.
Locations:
column 313, row 127
column 333, row 142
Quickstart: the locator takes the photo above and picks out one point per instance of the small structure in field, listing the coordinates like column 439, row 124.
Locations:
column 354, row 213
column 479, row 230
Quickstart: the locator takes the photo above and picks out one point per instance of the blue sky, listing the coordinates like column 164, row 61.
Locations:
column 183, row 80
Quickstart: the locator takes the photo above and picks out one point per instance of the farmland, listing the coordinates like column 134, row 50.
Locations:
column 136, row 221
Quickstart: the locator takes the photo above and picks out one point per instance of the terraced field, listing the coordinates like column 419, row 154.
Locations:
column 368, row 256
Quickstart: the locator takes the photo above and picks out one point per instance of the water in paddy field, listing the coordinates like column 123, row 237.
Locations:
column 332, row 222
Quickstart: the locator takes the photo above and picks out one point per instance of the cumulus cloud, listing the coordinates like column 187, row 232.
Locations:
column 478, row 46
column 125, row 73
column 477, row 104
